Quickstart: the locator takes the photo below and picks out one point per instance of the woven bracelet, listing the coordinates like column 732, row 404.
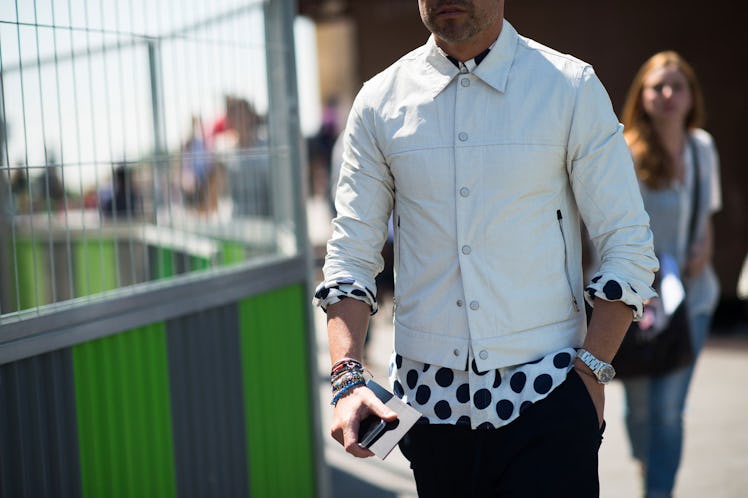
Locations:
column 345, row 364
column 345, row 391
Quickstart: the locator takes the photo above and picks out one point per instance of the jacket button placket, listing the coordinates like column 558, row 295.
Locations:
column 465, row 171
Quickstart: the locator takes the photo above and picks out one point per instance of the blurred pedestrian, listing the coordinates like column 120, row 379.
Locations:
column 239, row 142
column 663, row 115
column 123, row 201
column 196, row 165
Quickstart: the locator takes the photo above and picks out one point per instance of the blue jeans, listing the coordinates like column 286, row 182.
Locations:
column 654, row 417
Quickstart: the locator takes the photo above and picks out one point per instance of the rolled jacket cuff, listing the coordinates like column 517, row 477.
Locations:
column 612, row 288
column 334, row 291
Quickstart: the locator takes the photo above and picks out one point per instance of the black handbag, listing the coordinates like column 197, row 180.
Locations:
column 645, row 353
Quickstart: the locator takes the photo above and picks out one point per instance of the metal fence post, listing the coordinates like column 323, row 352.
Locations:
column 289, row 182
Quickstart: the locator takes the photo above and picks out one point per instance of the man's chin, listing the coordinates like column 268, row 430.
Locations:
column 452, row 32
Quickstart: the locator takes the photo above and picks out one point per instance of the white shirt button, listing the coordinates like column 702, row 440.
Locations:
column 466, row 250
column 465, row 82
column 460, row 303
column 456, row 352
column 474, row 305
column 464, row 191
column 462, row 136
column 483, row 354
column 463, row 69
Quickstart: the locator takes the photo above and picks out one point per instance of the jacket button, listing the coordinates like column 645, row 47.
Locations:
column 466, row 250
column 465, row 82
column 459, row 303
column 464, row 192
column 474, row 305
column 456, row 352
column 462, row 136
column 483, row 354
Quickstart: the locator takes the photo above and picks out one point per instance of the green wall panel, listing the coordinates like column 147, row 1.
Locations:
column 233, row 252
column 198, row 263
column 124, row 415
column 32, row 267
column 95, row 266
column 164, row 263
column 276, row 385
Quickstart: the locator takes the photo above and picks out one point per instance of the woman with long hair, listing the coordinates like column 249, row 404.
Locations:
column 663, row 117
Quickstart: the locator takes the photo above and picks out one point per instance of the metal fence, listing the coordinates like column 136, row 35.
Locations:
column 140, row 141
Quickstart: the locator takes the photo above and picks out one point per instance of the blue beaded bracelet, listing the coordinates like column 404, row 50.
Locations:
column 345, row 390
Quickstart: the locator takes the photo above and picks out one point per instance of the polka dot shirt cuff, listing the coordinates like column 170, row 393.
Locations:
column 334, row 291
column 611, row 288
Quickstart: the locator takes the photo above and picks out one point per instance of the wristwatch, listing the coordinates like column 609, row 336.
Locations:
column 603, row 371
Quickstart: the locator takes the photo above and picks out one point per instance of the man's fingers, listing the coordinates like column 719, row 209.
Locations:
column 376, row 406
column 350, row 440
column 349, row 413
column 596, row 391
column 383, row 411
column 337, row 435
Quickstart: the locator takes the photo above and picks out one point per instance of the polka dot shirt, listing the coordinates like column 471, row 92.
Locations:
column 480, row 400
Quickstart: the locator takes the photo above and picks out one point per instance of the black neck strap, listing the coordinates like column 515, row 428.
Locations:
column 478, row 58
column 696, row 197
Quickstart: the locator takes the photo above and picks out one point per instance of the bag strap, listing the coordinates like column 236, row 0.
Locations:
column 696, row 197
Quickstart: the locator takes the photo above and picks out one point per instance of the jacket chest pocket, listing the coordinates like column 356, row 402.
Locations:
column 524, row 171
column 424, row 176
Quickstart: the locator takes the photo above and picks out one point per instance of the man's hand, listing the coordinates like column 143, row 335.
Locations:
column 350, row 411
column 346, row 329
column 596, row 390
column 608, row 325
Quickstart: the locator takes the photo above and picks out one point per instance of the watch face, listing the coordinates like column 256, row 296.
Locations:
column 606, row 374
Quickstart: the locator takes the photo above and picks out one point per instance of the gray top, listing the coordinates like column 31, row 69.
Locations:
column 669, row 210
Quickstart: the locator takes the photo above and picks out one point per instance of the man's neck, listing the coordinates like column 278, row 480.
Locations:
column 464, row 51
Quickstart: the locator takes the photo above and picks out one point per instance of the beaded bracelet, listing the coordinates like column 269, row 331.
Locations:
column 346, row 378
column 346, row 364
column 350, row 378
column 346, row 390
column 345, row 375
column 345, row 367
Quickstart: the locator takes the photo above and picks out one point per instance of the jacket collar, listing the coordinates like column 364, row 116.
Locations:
column 494, row 70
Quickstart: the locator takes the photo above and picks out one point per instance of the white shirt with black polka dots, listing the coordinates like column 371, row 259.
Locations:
column 481, row 400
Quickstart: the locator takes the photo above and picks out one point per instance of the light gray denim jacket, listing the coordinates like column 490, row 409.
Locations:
column 488, row 173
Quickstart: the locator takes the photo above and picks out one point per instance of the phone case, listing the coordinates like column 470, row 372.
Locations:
column 394, row 431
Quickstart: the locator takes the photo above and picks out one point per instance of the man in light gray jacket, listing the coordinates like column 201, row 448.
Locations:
column 487, row 148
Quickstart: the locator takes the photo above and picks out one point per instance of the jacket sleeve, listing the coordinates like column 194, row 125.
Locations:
column 602, row 177
column 363, row 201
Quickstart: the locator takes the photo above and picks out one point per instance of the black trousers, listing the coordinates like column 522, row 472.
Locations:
column 550, row 451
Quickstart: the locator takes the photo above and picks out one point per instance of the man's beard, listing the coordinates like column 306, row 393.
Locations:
column 453, row 30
